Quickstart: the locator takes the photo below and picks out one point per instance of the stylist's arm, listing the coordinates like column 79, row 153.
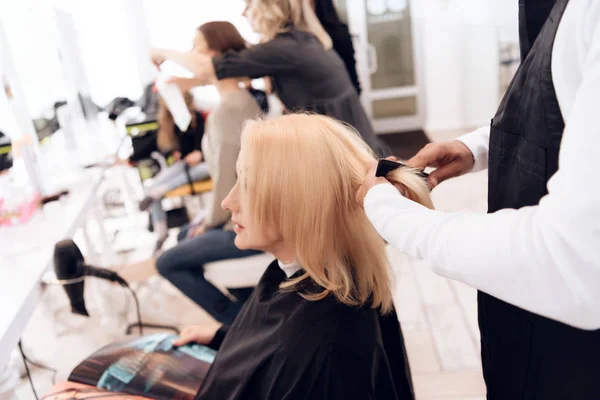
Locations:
column 451, row 159
column 542, row 258
column 201, row 65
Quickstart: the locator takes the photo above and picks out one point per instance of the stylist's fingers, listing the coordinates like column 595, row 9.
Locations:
column 428, row 156
column 448, row 171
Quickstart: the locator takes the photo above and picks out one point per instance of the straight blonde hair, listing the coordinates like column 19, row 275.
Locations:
column 272, row 17
column 301, row 173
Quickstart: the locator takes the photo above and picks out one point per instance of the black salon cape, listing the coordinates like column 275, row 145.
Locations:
column 283, row 347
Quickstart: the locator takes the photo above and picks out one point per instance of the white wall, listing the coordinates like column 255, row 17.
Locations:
column 31, row 36
column 460, row 39
column 461, row 65
column 443, row 65
column 102, row 33
column 108, row 47
column 172, row 24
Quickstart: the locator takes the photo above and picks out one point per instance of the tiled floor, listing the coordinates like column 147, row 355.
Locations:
column 438, row 316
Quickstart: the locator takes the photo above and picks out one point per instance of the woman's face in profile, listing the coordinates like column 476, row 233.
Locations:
column 249, row 235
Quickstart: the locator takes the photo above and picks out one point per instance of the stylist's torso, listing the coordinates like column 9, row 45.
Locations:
column 302, row 71
column 305, row 76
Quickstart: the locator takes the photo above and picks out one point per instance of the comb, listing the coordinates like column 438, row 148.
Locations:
column 384, row 167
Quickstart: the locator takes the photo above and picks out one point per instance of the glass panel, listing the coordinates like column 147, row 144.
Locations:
column 390, row 37
column 397, row 107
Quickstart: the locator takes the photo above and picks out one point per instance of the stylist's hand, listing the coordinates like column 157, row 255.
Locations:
column 193, row 158
column 184, row 84
column 452, row 158
column 201, row 334
column 370, row 181
column 157, row 57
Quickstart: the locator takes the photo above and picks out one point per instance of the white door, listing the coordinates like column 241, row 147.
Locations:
column 389, row 61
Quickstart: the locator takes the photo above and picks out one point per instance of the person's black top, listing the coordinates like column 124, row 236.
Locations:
column 342, row 44
column 282, row 346
column 305, row 76
column 191, row 139
column 327, row 14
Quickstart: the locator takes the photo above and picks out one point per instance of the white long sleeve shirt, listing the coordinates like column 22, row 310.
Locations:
column 545, row 258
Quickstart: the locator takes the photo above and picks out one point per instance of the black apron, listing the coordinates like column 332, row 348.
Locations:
column 524, row 355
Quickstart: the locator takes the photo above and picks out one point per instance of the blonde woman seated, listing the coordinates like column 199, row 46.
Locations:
column 321, row 322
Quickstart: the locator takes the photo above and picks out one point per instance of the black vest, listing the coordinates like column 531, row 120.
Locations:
column 524, row 355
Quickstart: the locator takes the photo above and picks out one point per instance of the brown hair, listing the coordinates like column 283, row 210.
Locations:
column 166, row 140
column 222, row 36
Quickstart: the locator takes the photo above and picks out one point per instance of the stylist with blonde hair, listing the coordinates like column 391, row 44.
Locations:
column 297, row 55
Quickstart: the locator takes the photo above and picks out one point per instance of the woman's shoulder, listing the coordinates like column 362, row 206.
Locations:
column 328, row 325
column 341, row 316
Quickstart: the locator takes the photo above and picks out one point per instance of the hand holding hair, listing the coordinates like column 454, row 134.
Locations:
column 157, row 57
column 409, row 182
column 452, row 158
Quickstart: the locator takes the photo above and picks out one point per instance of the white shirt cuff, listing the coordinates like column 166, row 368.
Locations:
column 478, row 143
column 385, row 191
column 384, row 201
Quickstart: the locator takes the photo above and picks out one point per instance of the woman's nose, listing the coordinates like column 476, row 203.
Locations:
column 229, row 202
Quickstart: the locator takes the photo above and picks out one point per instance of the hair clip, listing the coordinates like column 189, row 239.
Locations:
column 385, row 166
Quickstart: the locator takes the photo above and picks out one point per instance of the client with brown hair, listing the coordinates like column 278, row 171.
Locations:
column 213, row 240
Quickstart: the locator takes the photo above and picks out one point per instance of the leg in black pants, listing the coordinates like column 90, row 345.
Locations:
column 183, row 266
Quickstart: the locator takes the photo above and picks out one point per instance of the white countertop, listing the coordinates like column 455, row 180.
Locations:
column 26, row 250
column 33, row 246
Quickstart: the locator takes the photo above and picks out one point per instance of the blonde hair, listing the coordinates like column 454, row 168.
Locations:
column 272, row 17
column 302, row 173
